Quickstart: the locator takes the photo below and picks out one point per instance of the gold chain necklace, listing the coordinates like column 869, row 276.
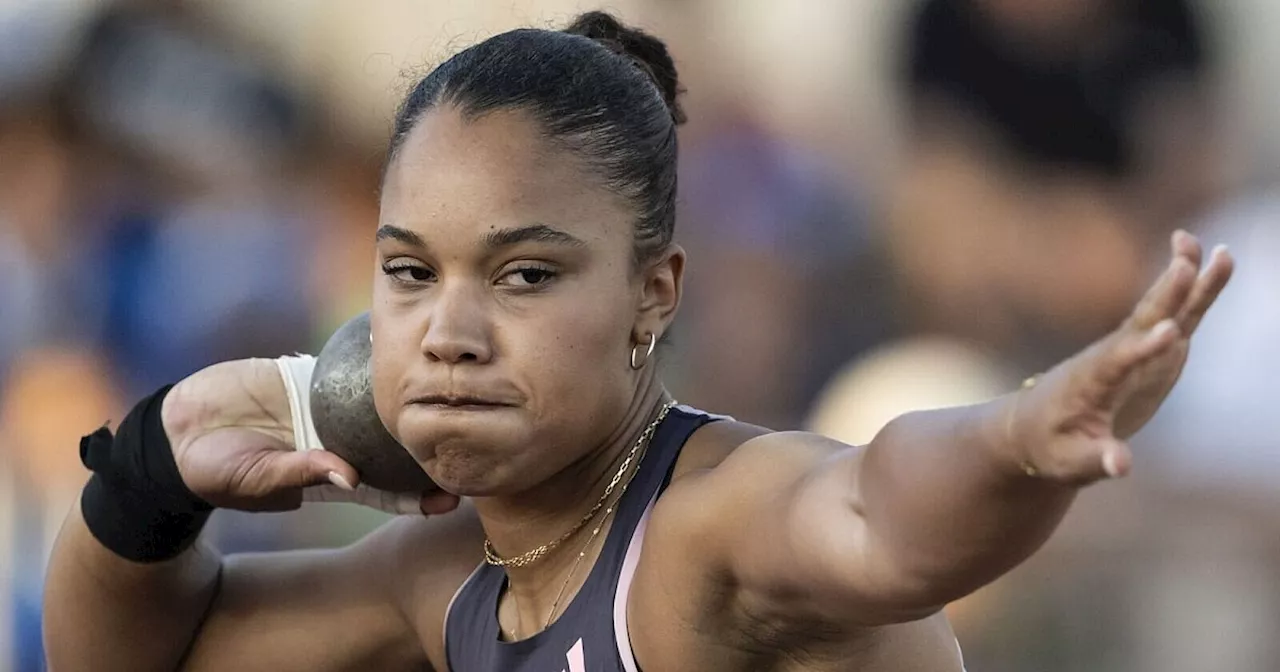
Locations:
column 529, row 557
column 572, row 570
column 641, row 445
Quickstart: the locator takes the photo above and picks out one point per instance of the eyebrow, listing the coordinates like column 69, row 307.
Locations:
column 539, row 233
column 389, row 232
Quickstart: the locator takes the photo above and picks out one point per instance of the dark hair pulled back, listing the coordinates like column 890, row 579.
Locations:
column 605, row 91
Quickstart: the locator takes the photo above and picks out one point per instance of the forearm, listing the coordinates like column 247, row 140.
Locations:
column 103, row 612
column 947, row 506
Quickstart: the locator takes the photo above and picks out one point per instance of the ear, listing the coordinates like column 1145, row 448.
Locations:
column 662, row 283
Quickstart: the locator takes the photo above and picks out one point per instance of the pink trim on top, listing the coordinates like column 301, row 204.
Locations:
column 697, row 411
column 628, row 573
column 622, row 636
column 444, row 629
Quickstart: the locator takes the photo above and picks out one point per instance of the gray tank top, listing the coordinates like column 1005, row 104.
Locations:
column 591, row 633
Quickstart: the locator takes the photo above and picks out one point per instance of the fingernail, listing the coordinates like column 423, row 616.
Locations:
column 337, row 479
column 1109, row 464
column 409, row 504
column 1219, row 249
column 1163, row 327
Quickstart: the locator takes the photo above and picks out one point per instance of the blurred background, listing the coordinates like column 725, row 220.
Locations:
column 887, row 205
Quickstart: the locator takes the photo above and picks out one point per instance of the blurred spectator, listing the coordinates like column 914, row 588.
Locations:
column 152, row 221
column 35, row 189
column 901, row 377
column 774, row 283
column 49, row 397
column 1052, row 146
column 1061, row 83
column 193, row 224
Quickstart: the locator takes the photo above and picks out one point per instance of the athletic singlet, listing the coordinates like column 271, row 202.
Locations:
column 591, row 632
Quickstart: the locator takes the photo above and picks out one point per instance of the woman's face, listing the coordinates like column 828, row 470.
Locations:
column 505, row 304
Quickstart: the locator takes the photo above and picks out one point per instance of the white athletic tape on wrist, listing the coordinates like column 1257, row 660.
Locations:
column 296, row 372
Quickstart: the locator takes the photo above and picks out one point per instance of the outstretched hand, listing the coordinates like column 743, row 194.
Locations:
column 1072, row 426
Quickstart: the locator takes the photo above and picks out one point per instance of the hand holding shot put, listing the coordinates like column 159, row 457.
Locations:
column 581, row 519
column 253, row 434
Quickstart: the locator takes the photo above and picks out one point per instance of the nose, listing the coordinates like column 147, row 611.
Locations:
column 458, row 328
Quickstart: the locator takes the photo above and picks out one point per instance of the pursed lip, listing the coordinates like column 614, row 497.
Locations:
column 460, row 401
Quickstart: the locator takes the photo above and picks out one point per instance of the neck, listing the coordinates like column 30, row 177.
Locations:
column 518, row 523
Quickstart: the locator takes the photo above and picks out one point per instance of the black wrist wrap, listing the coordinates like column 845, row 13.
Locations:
column 136, row 504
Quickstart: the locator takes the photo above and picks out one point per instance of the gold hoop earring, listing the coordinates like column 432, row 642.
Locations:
column 653, row 341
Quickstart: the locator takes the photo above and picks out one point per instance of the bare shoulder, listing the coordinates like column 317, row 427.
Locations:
column 376, row 604
column 721, row 463
column 425, row 561
column 737, row 453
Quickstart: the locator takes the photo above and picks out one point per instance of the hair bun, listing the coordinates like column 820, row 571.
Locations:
column 646, row 51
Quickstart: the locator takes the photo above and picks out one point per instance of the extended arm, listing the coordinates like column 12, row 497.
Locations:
column 941, row 502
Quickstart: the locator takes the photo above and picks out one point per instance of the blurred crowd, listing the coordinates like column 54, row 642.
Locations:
column 887, row 206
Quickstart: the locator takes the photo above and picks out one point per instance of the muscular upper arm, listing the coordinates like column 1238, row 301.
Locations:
column 779, row 526
column 332, row 609
column 376, row 605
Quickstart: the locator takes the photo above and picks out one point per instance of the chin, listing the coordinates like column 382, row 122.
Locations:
column 465, row 459
column 471, row 475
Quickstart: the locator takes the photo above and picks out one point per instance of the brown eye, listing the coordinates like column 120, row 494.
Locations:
column 527, row 277
column 534, row 276
column 408, row 273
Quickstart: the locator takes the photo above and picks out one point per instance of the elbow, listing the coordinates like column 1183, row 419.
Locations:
column 905, row 589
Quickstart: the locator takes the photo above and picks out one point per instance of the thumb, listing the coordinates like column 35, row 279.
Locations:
column 299, row 469
column 388, row 502
column 401, row 503
column 277, row 479
column 438, row 501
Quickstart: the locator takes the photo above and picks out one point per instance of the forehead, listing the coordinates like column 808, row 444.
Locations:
column 454, row 174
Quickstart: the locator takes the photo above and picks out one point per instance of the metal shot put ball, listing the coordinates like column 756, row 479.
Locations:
column 345, row 418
